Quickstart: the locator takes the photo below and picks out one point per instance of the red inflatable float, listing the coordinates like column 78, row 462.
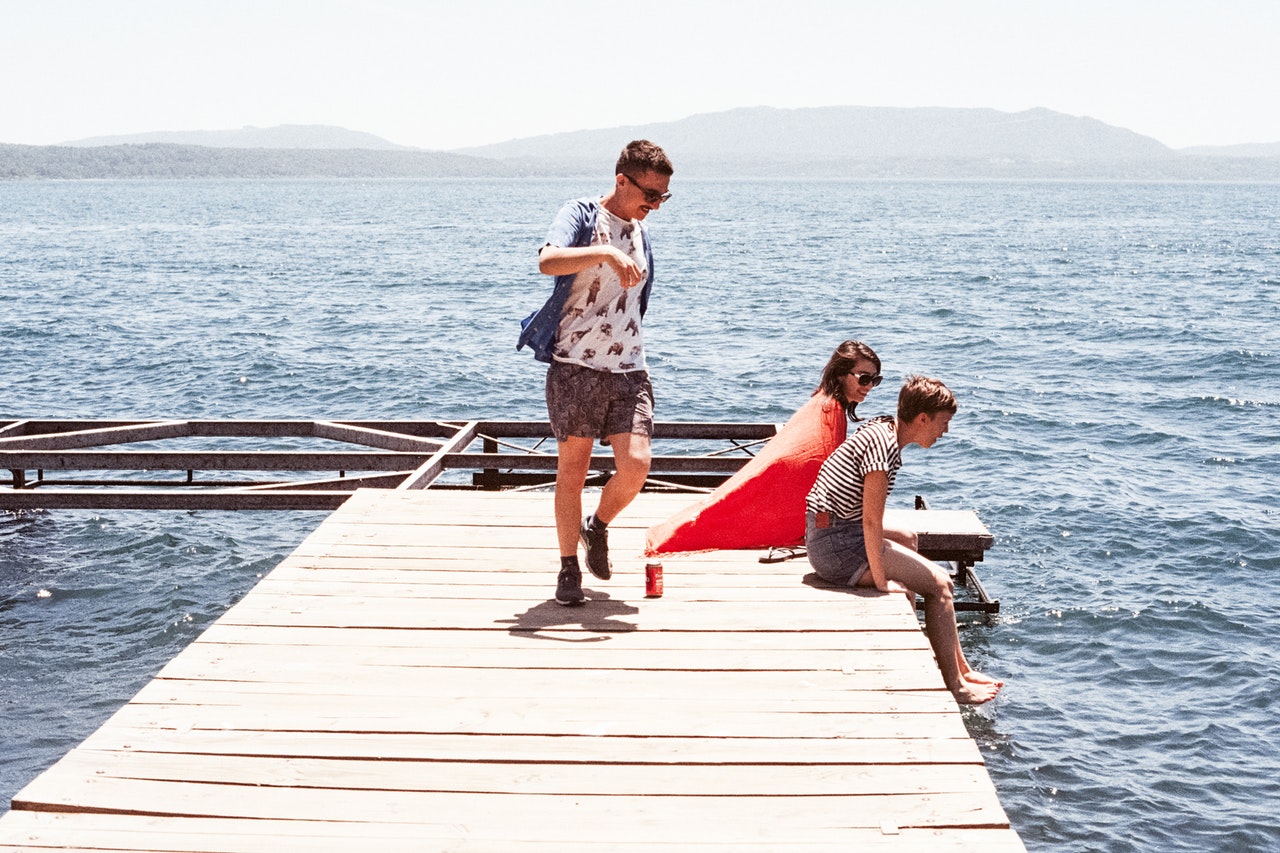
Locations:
column 762, row 505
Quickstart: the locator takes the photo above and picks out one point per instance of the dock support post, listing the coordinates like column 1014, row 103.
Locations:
column 488, row 478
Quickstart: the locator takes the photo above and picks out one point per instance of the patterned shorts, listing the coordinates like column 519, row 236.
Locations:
column 597, row 404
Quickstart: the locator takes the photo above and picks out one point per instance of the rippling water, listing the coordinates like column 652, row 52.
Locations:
column 1115, row 348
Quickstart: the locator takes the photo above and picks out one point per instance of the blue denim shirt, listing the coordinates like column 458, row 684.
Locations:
column 573, row 226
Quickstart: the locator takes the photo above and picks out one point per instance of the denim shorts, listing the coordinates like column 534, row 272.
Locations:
column 837, row 553
column 597, row 404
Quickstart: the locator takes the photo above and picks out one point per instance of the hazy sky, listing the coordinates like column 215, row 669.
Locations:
column 467, row 72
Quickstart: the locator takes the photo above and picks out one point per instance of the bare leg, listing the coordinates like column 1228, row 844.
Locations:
column 631, row 455
column 970, row 674
column 903, row 536
column 932, row 583
column 571, row 475
column 907, row 539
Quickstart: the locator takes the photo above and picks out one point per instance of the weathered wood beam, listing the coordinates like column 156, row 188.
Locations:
column 599, row 462
column 305, row 460
column 350, row 484
column 229, row 499
column 381, row 439
column 98, row 437
column 433, row 467
column 209, row 460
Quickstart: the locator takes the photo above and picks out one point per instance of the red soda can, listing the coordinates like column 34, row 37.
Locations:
column 653, row 580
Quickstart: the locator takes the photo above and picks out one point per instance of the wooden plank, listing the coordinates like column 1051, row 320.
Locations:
column 380, row 438
column 541, row 558
column 223, row 661
column 574, row 642
column 710, row 576
column 430, row 700
column 396, row 683
column 334, row 835
column 97, row 437
column 853, row 748
column 428, row 471
column 161, row 498
column 12, row 429
column 606, row 613
column 212, row 460
column 505, row 509
column 343, row 482
column 553, row 777
column 937, row 530
column 593, row 825
column 489, row 587
column 546, row 717
column 535, row 816
column 900, row 689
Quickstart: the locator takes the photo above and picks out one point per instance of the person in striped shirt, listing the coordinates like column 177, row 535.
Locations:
column 845, row 534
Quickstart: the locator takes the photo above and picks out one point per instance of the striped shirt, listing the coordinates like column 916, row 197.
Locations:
column 873, row 447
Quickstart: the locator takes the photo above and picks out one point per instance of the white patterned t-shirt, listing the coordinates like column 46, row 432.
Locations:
column 600, row 325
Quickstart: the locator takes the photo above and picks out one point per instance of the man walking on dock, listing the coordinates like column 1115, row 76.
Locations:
column 589, row 331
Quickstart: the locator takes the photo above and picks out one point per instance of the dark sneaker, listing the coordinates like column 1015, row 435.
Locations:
column 597, row 544
column 569, row 587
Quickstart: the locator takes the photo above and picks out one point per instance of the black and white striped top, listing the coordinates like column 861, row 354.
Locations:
column 873, row 447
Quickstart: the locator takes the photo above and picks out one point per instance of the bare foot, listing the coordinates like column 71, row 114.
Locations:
column 975, row 677
column 969, row 693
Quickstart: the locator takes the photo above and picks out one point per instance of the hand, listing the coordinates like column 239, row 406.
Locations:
column 629, row 273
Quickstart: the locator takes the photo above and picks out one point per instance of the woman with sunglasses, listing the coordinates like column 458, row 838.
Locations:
column 851, row 372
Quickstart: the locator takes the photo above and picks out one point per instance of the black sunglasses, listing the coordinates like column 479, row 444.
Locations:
column 865, row 379
column 651, row 196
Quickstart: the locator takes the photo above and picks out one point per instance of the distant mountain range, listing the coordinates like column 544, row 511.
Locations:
column 819, row 142
column 827, row 135
column 307, row 136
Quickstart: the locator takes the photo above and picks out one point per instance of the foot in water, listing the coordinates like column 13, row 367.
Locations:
column 975, row 677
column 970, row 693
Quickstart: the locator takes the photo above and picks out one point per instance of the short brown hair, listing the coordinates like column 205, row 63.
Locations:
column 922, row 395
column 641, row 155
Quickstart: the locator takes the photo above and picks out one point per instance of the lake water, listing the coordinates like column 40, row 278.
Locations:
column 1115, row 348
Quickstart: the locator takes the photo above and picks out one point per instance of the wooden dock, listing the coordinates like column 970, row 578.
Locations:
column 403, row 681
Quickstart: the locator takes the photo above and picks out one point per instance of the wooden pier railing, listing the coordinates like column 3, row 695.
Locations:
column 245, row 464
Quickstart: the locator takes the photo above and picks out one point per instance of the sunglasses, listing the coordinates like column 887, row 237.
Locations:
column 651, row 196
column 865, row 379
